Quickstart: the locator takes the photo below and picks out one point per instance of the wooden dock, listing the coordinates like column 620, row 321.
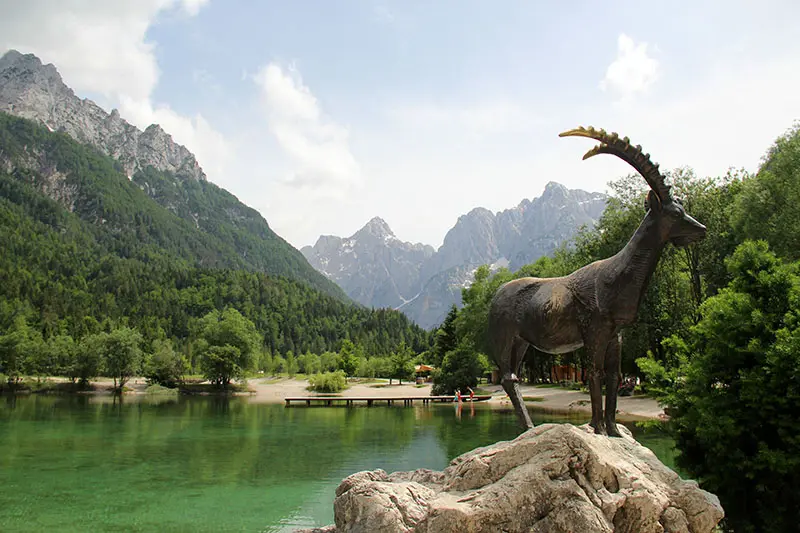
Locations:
column 348, row 401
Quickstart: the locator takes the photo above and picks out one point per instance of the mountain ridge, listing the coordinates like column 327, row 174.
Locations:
column 33, row 90
column 385, row 272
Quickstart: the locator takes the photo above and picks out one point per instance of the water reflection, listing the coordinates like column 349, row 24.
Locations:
column 213, row 463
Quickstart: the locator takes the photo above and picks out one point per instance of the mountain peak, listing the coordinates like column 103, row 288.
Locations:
column 28, row 61
column 28, row 67
column 554, row 188
column 377, row 227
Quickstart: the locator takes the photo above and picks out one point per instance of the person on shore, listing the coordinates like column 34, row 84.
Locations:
column 471, row 394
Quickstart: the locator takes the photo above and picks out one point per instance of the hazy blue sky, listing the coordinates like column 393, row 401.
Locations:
column 324, row 114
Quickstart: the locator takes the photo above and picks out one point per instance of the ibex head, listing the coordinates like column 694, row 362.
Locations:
column 677, row 226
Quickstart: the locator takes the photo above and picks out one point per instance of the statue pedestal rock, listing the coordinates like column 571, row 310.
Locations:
column 553, row 478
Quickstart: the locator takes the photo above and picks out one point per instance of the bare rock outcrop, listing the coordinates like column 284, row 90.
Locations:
column 554, row 478
column 34, row 91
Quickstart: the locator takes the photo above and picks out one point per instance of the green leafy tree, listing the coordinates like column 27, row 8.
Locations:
column 734, row 406
column 221, row 364
column 278, row 364
column 309, row 363
column 375, row 367
column 769, row 204
column 121, row 354
column 266, row 362
column 349, row 357
column 460, row 369
column 63, row 353
column 329, row 361
column 232, row 342
column 21, row 349
column 445, row 338
column 88, row 358
column 291, row 364
column 165, row 366
column 401, row 363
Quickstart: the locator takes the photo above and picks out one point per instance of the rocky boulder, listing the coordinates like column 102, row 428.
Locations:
column 553, row 478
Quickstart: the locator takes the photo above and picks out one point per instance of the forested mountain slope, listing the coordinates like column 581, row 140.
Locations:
column 82, row 244
column 165, row 170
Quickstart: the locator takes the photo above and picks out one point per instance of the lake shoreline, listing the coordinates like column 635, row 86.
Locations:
column 549, row 399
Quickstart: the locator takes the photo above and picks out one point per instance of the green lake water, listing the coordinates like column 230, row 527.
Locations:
column 219, row 464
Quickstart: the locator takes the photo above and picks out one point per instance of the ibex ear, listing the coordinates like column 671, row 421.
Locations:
column 652, row 202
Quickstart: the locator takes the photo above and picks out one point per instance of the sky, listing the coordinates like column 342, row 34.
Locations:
column 324, row 114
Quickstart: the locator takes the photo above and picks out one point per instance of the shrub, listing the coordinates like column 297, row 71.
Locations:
column 328, row 382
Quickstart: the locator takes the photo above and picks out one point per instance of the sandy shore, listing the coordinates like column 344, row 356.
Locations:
column 552, row 399
column 274, row 390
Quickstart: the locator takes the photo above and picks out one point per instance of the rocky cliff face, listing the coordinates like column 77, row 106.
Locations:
column 554, row 478
column 373, row 266
column 31, row 90
column 378, row 270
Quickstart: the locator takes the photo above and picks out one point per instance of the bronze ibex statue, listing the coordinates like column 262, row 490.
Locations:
column 590, row 306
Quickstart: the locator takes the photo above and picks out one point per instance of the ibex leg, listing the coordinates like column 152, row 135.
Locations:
column 612, row 368
column 511, row 382
column 511, row 386
column 597, row 351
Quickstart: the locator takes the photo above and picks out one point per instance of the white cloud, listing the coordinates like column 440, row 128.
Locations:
column 101, row 47
column 633, row 71
column 192, row 7
column 317, row 146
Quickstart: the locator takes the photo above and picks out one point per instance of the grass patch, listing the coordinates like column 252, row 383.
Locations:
column 364, row 381
column 208, row 388
column 651, row 425
column 532, row 399
column 158, row 390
